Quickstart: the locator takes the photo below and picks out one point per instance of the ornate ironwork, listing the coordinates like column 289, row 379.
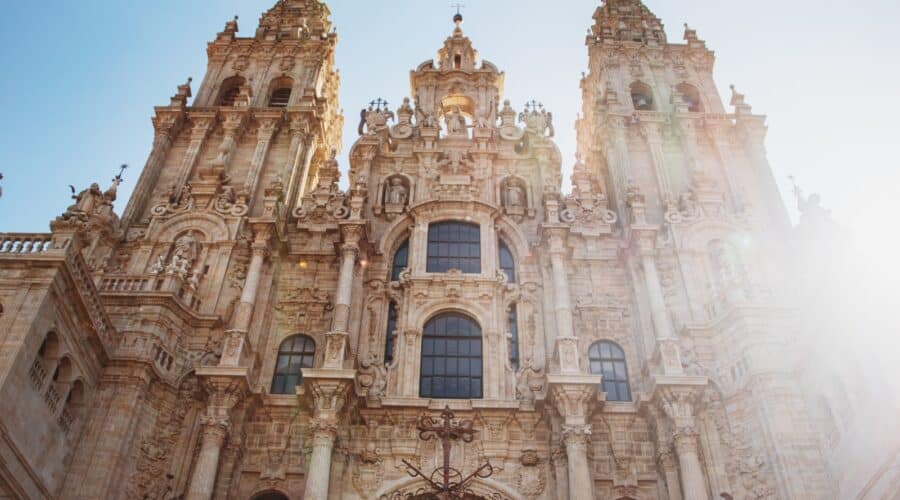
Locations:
column 448, row 482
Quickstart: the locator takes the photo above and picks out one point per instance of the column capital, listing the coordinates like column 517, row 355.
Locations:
column 678, row 397
column 574, row 396
column 328, row 391
column 323, row 430
column 353, row 232
column 576, row 436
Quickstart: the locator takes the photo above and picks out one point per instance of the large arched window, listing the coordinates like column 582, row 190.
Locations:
column 389, row 333
column 451, row 358
column 401, row 261
column 280, row 92
column 294, row 354
column 507, row 263
column 454, row 245
column 608, row 359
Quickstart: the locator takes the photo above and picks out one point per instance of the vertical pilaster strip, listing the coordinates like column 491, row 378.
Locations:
column 166, row 124
column 268, row 124
column 201, row 124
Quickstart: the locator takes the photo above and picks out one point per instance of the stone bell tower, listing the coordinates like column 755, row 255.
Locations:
column 705, row 229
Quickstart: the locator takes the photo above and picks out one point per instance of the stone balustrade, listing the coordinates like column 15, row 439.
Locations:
column 25, row 243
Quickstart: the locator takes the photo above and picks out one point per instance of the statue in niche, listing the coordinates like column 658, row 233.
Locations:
column 185, row 248
column 423, row 118
column 456, row 122
column 397, row 194
column 515, row 195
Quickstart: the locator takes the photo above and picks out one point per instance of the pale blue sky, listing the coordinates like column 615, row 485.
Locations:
column 81, row 79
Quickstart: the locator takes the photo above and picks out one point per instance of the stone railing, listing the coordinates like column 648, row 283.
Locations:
column 127, row 284
column 25, row 243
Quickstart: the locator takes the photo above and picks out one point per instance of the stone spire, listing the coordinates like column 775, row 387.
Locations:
column 627, row 21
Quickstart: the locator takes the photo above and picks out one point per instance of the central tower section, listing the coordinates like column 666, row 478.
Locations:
column 458, row 186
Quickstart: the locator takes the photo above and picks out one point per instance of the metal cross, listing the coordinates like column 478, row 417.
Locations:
column 452, row 483
column 121, row 171
column 458, row 6
column 378, row 103
column 534, row 105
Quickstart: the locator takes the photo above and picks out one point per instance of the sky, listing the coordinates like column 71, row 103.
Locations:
column 81, row 80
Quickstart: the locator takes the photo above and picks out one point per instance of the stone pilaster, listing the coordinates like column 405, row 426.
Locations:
column 201, row 124
column 678, row 397
column 237, row 342
column 328, row 391
column 643, row 244
column 336, row 341
column 652, row 132
column 268, row 124
column 575, row 398
column 166, row 124
column 566, row 343
column 225, row 389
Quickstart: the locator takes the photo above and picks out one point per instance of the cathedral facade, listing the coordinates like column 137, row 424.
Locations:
column 248, row 330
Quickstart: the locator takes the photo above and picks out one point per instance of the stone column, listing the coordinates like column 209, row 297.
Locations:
column 323, row 435
column 268, row 123
column 566, row 343
column 576, row 439
column 202, row 123
column 575, row 397
column 692, row 480
column 165, row 125
column 329, row 391
column 243, row 314
column 678, row 399
column 652, row 134
column 349, row 252
column 643, row 241
column 669, row 467
column 224, row 393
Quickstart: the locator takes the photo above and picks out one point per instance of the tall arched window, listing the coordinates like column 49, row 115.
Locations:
column 513, row 322
column 608, row 359
column 451, row 358
column 401, row 261
column 389, row 333
column 507, row 263
column 294, row 354
column 280, row 98
column 454, row 245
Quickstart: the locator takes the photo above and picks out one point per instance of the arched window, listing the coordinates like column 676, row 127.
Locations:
column 608, row 359
column 454, row 245
column 295, row 353
column 513, row 322
column 691, row 96
column 451, row 358
column 401, row 261
column 507, row 263
column 231, row 89
column 641, row 97
column 280, row 98
column 389, row 333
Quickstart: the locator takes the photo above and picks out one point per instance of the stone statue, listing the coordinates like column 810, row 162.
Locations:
column 456, row 123
column 158, row 266
column 397, row 193
column 185, row 248
column 372, row 376
column 86, row 201
column 515, row 195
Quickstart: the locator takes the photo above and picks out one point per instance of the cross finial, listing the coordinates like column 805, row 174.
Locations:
column 458, row 18
column 118, row 177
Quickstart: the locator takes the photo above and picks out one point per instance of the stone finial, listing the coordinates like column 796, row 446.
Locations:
column 181, row 96
column 739, row 102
